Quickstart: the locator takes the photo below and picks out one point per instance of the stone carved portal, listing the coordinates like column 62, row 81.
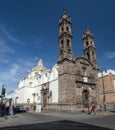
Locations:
column 85, row 98
column 44, row 95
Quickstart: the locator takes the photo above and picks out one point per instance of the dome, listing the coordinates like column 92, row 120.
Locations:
column 40, row 66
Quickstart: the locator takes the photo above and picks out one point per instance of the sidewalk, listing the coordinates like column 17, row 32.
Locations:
column 11, row 121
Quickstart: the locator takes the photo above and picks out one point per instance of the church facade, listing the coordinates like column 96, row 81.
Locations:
column 72, row 83
column 78, row 77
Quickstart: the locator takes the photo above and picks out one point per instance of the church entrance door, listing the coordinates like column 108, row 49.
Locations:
column 44, row 99
column 85, row 98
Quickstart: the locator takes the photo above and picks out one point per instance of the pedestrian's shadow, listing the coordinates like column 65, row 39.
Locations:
column 15, row 116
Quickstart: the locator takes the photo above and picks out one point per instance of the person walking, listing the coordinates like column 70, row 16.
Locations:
column 92, row 108
column 12, row 111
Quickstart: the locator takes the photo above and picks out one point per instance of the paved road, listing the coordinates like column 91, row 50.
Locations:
column 58, row 121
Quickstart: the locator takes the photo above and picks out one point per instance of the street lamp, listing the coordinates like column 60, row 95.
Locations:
column 104, row 93
column 28, row 100
column 16, row 100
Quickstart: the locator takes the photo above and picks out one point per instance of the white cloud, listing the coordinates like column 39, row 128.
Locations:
column 110, row 55
column 8, row 35
column 38, row 42
column 4, row 60
column 5, row 51
column 4, row 48
column 27, row 63
column 14, row 69
column 10, row 74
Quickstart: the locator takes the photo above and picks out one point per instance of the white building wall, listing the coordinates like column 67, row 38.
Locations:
column 37, row 91
column 23, row 94
column 28, row 94
column 44, row 79
column 54, row 91
column 20, row 94
column 33, row 85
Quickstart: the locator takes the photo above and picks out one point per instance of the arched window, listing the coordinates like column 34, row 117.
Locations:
column 68, row 50
column 86, row 43
column 62, row 29
column 67, row 28
column 93, row 54
column 62, row 43
column 61, row 52
column 68, row 42
column 88, row 56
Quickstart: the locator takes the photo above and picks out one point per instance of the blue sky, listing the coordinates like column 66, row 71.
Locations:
column 29, row 31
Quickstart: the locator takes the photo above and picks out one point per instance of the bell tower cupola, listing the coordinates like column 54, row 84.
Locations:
column 65, row 38
column 89, row 47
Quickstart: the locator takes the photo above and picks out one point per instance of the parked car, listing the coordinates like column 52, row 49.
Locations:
column 19, row 108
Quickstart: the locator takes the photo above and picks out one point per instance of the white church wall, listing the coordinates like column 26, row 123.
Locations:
column 44, row 79
column 29, row 82
column 32, row 74
column 23, row 94
column 20, row 95
column 21, row 82
column 54, row 90
column 36, row 81
column 54, row 73
column 37, row 91
column 32, row 85
column 28, row 94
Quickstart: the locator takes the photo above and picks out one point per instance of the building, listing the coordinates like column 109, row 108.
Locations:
column 78, row 77
column 107, row 88
column 34, row 89
column 72, row 83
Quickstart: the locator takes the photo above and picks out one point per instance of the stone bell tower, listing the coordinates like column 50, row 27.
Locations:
column 66, row 61
column 90, row 55
column 65, row 38
column 89, row 48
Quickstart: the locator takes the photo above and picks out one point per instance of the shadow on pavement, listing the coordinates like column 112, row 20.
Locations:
column 56, row 125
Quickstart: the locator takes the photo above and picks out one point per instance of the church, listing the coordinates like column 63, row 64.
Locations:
column 71, row 84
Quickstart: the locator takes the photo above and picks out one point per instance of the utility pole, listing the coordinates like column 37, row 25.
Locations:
column 104, row 93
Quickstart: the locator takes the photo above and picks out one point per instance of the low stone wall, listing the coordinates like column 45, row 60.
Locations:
column 73, row 108
column 110, row 106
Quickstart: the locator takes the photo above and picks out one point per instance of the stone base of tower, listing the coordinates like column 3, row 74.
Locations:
column 73, row 108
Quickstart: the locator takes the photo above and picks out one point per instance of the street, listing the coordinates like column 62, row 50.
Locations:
column 58, row 121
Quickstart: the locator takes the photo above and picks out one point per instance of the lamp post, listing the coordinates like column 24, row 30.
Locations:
column 16, row 100
column 28, row 100
column 104, row 93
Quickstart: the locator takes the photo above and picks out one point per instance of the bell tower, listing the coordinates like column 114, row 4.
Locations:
column 65, row 38
column 89, row 48
column 66, row 62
